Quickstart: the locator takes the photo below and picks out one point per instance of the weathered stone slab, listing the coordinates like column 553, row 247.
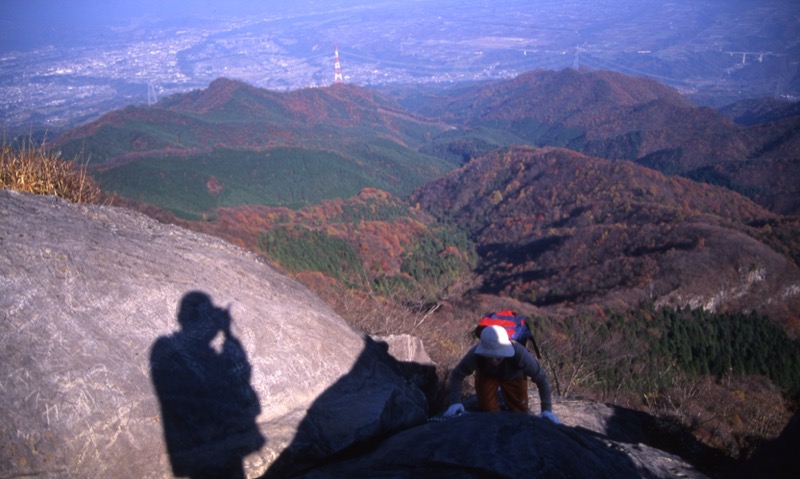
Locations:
column 119, row 334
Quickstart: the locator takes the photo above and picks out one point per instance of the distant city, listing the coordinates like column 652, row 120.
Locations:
column 713, row 50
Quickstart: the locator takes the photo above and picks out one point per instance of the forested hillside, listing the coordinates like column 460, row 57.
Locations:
column 349, row 138
column 614, row 116
column 233, row 144
column 554, row 226
column 371, row 241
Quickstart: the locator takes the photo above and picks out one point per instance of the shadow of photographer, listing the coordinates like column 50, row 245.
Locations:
column 201, row 376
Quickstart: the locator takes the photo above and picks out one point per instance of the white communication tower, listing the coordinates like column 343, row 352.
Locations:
column 152, row 96
column 337, row 68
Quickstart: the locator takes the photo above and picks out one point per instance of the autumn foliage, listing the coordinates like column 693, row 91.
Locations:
column 627, row 222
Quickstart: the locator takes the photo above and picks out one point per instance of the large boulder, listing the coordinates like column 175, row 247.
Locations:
column 505, row 445
column 415, row 364
column 130, row 348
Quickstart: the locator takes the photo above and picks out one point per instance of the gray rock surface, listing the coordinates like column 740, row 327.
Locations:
column 505, row 445
column 125, row 340
column 406, row 348
column 636, row 427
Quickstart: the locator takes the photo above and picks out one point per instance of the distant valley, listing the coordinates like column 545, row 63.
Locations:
column 555, row 188
column 652, row 242
column 70, row 67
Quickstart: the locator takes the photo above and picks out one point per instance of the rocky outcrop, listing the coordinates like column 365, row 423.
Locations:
column 777, row 458
column 130, row 348
column 506, row 446
column 406, row 348
column 414, row 363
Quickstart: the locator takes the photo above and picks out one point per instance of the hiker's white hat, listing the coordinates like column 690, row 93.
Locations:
column 495, row 343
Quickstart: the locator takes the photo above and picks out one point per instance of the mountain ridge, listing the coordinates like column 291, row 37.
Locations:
column 587, row 227
column 256, row 146
column 611, row 115
column 603, row 114
column 634, row 216
column 230, row 111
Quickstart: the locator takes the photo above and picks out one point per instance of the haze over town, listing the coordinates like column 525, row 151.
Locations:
column 64, row 63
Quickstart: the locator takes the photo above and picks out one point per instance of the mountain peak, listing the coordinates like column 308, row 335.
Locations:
column 219, row 94
column 570, row 94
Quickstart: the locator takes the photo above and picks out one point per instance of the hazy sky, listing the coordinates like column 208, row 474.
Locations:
column 104, row 12
column 89, row 42
column 61, row 11
column 32, row 23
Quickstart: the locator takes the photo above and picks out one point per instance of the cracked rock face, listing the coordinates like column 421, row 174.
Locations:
column 130, row 348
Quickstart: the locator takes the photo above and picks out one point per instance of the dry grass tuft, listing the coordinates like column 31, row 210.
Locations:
column 33, row 168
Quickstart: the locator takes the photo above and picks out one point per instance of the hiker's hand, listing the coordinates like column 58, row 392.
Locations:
column 551, row 416
column 455, row 410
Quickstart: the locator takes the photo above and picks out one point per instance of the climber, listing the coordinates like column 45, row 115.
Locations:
column 501, row 363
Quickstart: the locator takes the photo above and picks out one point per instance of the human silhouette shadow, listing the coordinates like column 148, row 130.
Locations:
column 208, row 407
